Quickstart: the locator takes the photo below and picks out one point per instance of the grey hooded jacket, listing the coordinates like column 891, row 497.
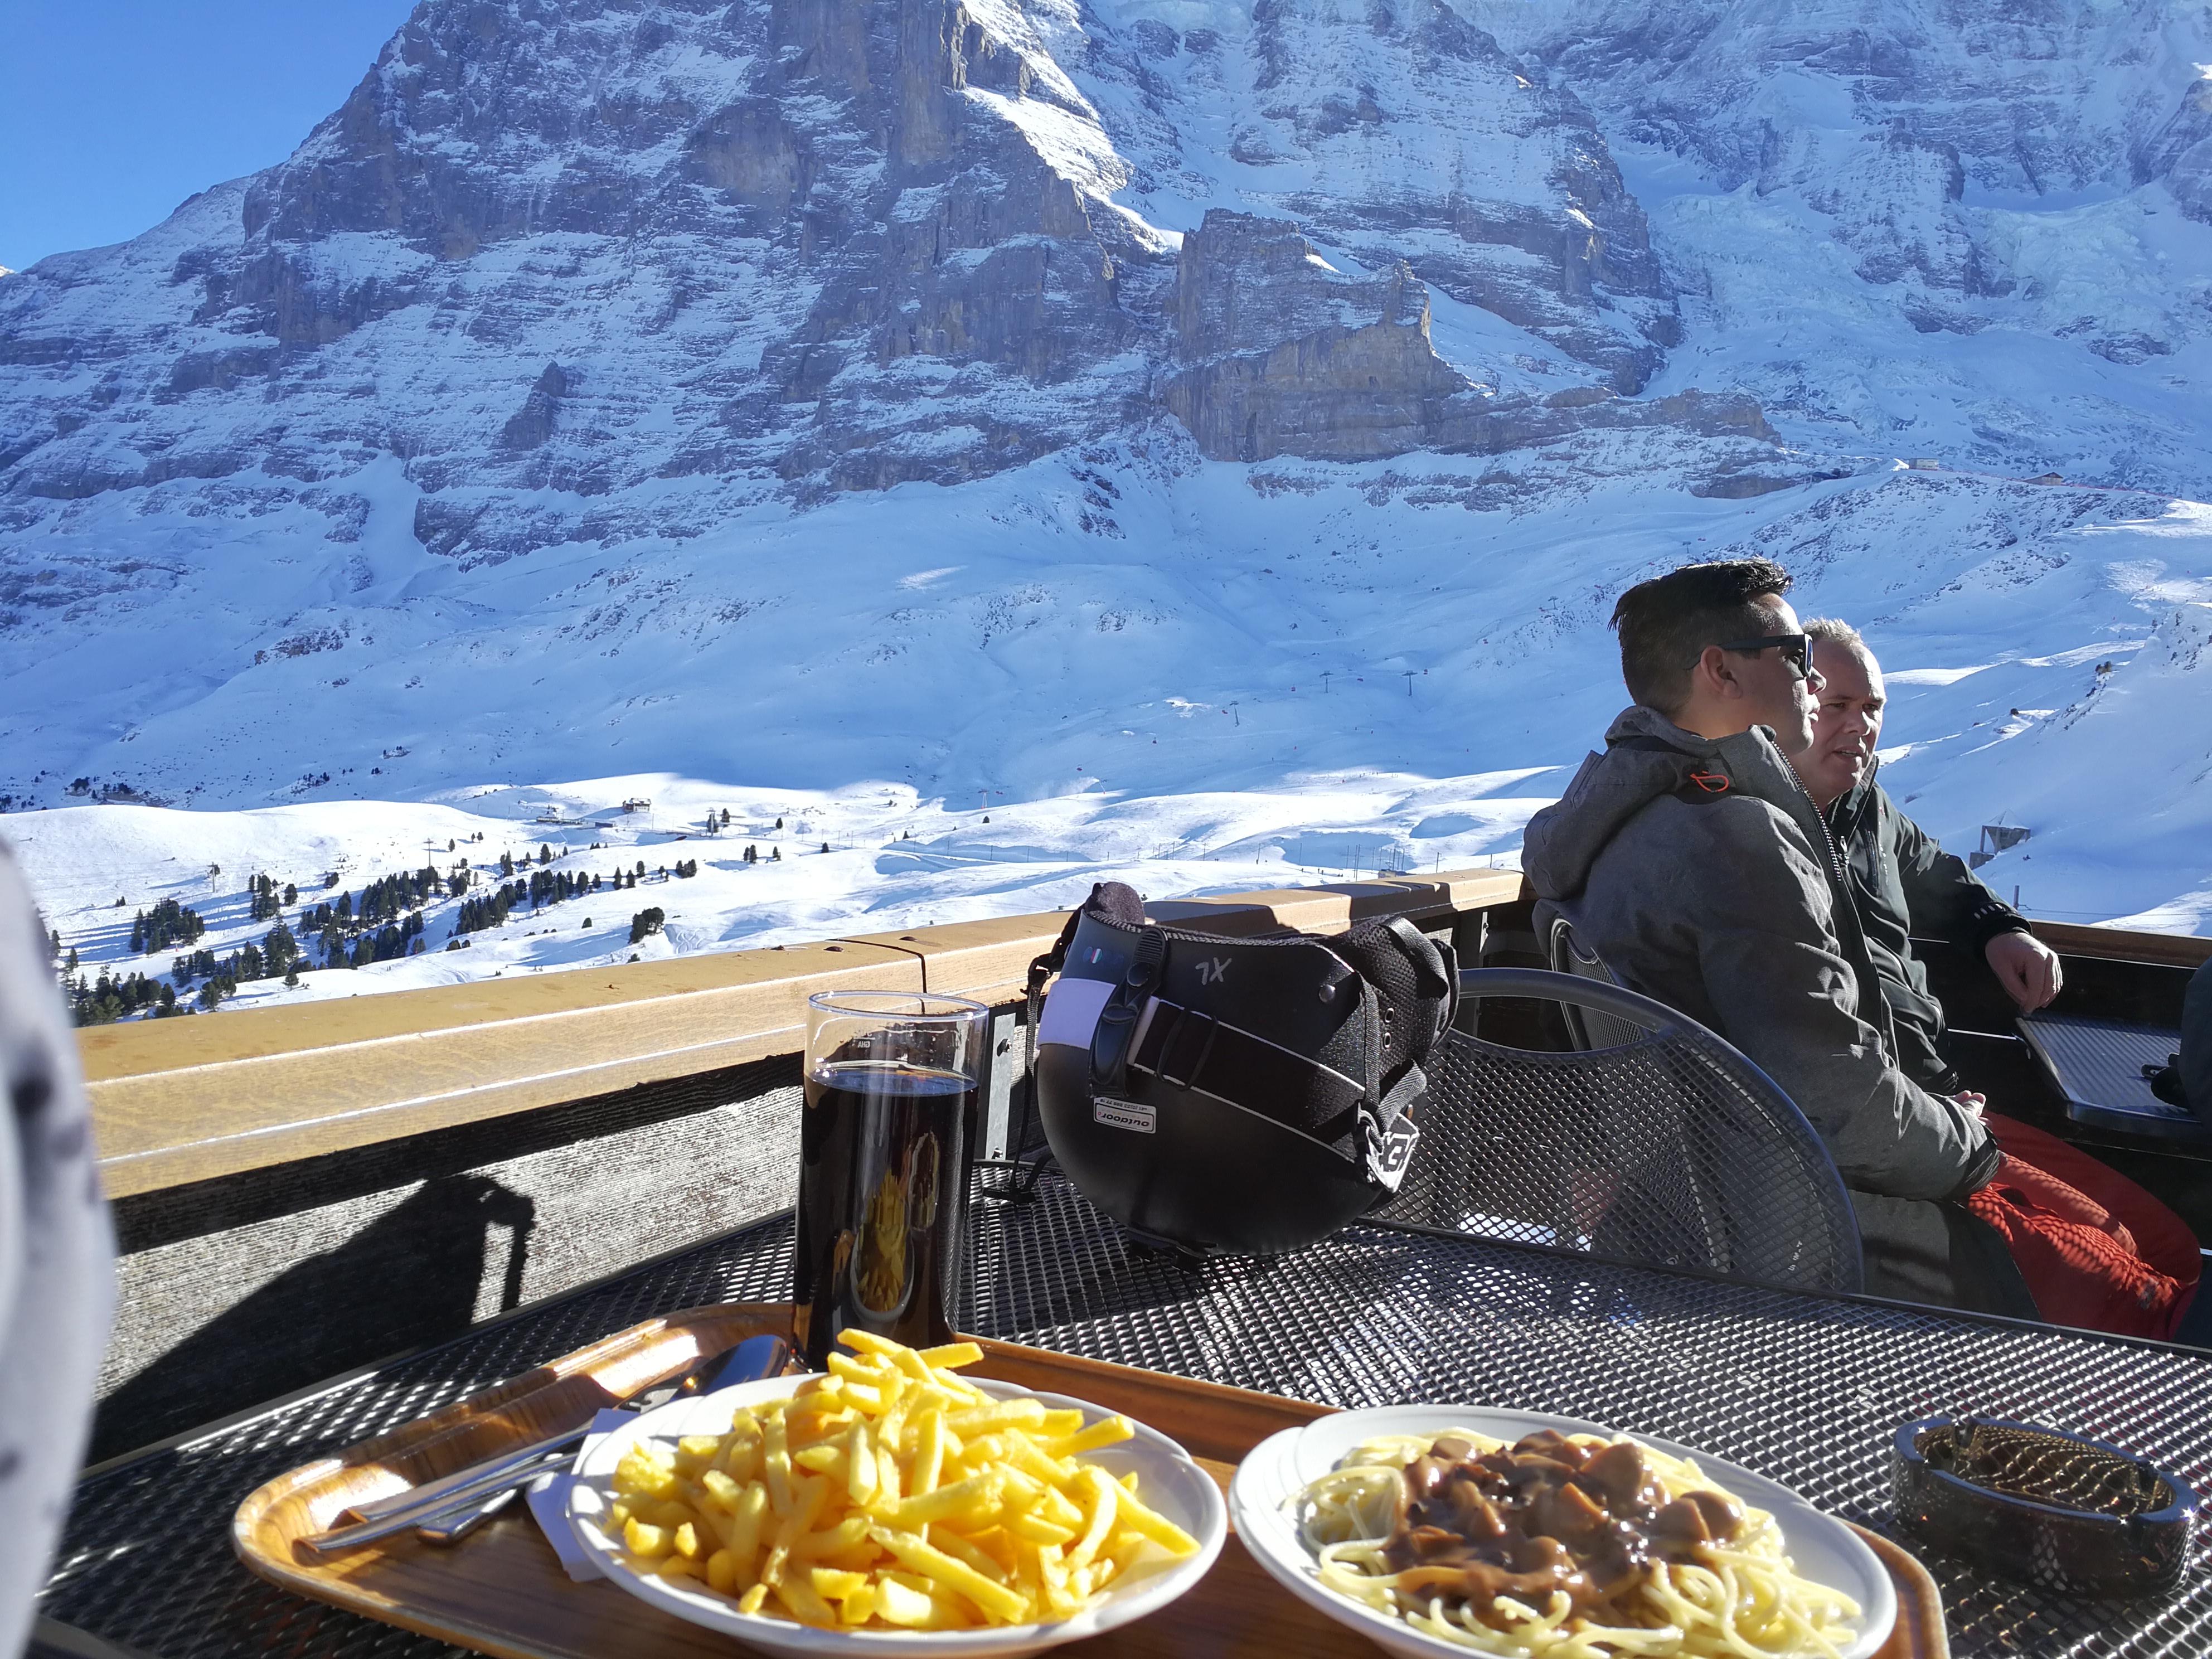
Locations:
column 1700, row 872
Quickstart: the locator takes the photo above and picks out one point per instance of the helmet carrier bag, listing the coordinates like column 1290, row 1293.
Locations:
column 1239, row 1096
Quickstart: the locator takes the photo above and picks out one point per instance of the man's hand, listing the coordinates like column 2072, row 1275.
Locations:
column 1971, row 1102
column 2026, row 968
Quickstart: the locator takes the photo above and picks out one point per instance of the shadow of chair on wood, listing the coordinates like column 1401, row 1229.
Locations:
column 412, row 1276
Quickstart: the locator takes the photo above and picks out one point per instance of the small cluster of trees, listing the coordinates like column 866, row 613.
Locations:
column 686, row 868
column 393, row 939
column 167, row 924
column 267, row 900
column 107, row 1000
column 646, row 923
column 277, row 955
column 775, row 855
column 490, row 909
column 394, row 896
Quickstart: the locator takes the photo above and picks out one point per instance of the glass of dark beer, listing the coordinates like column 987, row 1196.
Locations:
column 891, row 1083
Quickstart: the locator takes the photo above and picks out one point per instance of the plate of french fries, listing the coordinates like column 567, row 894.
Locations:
column 891, row 1502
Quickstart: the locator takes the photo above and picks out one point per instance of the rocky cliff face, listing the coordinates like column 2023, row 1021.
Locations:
column 555, row 256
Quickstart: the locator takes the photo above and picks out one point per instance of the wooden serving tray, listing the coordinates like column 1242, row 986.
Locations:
column 503, row 1591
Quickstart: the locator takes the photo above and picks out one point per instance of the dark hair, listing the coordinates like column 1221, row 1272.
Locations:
column 1666, row 623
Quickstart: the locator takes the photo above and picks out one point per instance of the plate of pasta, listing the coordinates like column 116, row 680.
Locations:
column 1471, row 1529
column 890, row 1504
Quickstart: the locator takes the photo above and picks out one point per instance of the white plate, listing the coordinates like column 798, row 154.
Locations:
column 1262, row 1497
column 1167, row 1480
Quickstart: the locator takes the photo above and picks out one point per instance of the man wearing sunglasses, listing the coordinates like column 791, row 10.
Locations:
column 1690, row 858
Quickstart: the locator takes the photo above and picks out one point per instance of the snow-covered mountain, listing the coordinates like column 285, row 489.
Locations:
column 1213, row 431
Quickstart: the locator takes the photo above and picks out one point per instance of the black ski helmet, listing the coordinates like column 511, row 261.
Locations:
column 1246, row 1096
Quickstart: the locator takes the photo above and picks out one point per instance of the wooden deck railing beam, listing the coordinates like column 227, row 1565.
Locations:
column 2118, row 944
column 185, row 1100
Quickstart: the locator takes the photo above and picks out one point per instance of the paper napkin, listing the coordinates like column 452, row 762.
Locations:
column 549, row 1501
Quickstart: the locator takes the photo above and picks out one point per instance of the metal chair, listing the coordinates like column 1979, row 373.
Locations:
column 1668, row 1146
column 1591, row 1028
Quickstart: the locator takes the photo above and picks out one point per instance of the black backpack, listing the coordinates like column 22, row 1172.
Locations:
column 1246, row 1096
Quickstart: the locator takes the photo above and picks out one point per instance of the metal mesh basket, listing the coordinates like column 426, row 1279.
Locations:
column 1670, row 1148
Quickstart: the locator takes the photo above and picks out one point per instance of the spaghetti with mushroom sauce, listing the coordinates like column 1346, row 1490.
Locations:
column 1563, row 1546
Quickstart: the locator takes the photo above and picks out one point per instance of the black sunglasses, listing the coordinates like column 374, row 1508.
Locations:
column 1797, row 650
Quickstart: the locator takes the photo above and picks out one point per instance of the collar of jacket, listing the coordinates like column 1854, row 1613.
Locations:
column 1849, row 810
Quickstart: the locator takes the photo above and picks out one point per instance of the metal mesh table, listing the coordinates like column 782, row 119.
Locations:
column 1804, row 1388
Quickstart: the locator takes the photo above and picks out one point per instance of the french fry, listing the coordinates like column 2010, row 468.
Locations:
column 860, row 1463
column 695, row 1452
column 1150, row 1523
column 809, row 1608
column 962, row 1549
column 951, row 1355
column 830, row 1540
column 746, row 1520
column 998, row 1414
column 722, row 1572
column 974, row 1498
column 1103, row 1495
column 995, row 1599
column 928, row 1454
column 1107, row 1432
column 776, row 1458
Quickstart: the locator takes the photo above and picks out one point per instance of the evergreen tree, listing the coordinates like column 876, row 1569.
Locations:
column 507, row 863
column 292, row 975
column 544, row 854
column 640, row 867
column 725, row 818
column 646, row 923
column 291, row 894
column 775, row 855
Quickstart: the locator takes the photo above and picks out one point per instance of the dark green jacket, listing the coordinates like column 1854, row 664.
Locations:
column 1904, row 885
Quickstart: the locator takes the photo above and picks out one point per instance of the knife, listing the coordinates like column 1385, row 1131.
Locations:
column 755, row 1357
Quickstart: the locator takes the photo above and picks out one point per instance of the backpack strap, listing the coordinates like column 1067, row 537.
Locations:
column 1192, row 1050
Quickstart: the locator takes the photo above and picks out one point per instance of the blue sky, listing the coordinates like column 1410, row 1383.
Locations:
column 111, row 112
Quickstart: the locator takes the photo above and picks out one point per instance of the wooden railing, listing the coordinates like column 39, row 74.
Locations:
column 185, row 1100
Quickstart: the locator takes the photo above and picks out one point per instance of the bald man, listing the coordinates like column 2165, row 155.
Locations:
column 1905, row 882
column 2096, row 1250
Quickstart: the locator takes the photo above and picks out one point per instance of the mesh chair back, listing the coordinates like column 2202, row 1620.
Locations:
column 1670, row 1147
column 1592, row 1028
